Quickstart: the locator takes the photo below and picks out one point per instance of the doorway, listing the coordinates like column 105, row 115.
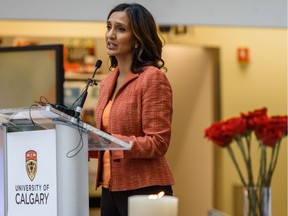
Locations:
column 194, row 75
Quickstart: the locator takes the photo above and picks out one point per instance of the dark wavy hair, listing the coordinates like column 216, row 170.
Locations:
column 144, row 29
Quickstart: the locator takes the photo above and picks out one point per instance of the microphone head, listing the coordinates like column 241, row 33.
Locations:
column 98, row 64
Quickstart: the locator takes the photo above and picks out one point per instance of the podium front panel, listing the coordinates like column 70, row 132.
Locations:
column 31, row 173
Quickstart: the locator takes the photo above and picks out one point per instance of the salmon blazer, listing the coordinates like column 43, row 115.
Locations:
column 141, row 112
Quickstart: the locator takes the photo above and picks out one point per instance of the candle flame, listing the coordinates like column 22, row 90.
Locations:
column 156, row 196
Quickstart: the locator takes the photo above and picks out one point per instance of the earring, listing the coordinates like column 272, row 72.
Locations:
column 136, row 45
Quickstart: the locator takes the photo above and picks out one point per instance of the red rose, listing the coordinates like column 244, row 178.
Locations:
column 234, row 126
column 216, row 134
column 269, row 132
column 281, row 123
column 255, row 117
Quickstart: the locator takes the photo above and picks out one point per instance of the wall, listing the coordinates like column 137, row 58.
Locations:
column 193, row 12
column 262, row 83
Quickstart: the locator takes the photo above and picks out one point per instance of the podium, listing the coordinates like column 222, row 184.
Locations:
column 44, row 161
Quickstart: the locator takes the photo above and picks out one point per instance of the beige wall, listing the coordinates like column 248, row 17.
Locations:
column 263, row 82
column 224, row 12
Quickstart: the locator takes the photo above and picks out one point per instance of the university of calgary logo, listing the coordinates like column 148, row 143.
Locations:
column 31, row 164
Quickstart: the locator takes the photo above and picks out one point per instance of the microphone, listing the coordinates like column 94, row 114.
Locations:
column 97, row 66
column 90, row 82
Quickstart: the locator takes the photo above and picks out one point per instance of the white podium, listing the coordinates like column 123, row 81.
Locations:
column 44, row 161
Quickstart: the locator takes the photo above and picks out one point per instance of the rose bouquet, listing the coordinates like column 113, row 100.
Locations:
column 268, row 131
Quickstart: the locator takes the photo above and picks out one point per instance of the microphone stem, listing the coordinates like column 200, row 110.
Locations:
column 82, row 101
column 90, row 82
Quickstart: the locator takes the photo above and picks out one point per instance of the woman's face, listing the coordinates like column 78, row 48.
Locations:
column 120, row 41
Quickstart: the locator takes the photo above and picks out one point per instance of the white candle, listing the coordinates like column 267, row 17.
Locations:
column 142, row 205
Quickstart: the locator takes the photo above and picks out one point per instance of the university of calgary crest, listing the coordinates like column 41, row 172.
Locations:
column 31, row 164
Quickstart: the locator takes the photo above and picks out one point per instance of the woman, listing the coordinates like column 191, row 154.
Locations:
column 135, row 103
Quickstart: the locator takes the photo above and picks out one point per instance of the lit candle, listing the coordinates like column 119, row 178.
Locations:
column 152, row 205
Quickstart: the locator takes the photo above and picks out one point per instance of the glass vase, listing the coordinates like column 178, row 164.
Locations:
column 265, row 201
column 257, row 201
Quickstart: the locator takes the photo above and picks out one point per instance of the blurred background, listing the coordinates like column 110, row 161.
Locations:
column 223, row 58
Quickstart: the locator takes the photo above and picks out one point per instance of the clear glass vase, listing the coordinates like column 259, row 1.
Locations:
column 257, row 201
column 265, row 203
